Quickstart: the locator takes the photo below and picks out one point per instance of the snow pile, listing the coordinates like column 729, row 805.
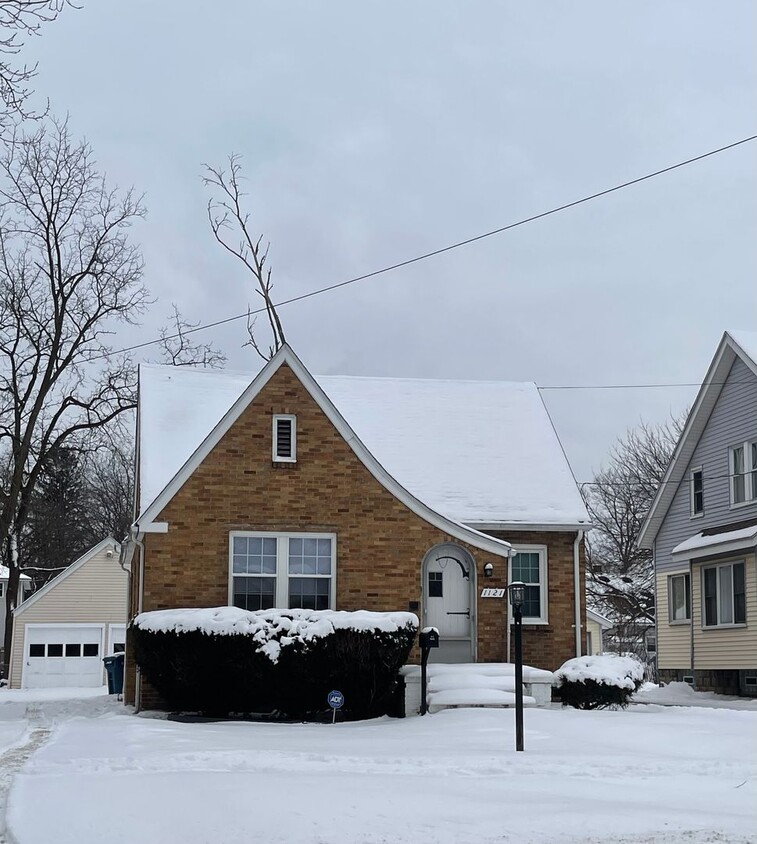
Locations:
column 273, row 629
column 624, row 672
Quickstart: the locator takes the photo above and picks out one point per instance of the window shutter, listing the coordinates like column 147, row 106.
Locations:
column 284, row 439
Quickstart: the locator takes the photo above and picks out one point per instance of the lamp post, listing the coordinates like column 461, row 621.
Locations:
column 517, row 594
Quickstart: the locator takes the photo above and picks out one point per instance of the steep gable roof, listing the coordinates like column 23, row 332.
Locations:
column 733, row 345
column 468, row 452
column 68, row 571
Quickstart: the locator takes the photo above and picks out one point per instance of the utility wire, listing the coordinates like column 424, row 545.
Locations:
column 651, row 483
column 436, row 252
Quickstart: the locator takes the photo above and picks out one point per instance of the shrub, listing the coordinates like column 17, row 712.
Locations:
column 605, row 681
column 284, row 662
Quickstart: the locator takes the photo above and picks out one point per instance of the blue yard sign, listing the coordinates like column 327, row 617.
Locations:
column 336, row 699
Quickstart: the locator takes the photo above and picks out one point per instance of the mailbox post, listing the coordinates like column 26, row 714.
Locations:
column 429, row 638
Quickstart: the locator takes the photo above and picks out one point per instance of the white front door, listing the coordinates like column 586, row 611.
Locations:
column 448, row 591
column 62, row 656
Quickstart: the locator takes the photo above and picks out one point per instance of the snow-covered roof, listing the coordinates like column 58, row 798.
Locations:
column 707, row 542
column 5, row 574
column 478, row 452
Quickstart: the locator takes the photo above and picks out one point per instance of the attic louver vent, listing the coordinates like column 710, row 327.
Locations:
column 284, row 438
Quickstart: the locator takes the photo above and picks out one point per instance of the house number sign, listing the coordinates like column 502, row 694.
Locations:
column 493, row 593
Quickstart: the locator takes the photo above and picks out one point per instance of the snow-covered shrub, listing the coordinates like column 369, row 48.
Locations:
column 603, row 681
column 226, row 660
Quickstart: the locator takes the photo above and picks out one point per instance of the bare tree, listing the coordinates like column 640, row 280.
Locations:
column 18, row 20
column 177, row 349
column 230, row 225
column 68, row 277
column 620, row 581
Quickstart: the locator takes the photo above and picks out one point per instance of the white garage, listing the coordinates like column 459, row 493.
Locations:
column 63, row 631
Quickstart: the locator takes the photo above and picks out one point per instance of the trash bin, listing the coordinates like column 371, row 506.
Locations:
column 114, row 667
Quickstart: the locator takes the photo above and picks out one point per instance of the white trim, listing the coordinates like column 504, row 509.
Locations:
column 285, row 355
column 563, row 527
column 51, row 584
column 703, row 611
column 694, row 514
column 727, row 352
column 281, row 578
column 543, row 553
column 154, row 527
column 54, row 625
column 601, row 620
column 119, row 624
column 275, row 456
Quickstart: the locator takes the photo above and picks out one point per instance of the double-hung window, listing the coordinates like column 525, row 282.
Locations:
column 529, row 566
column 724, row 594
column 697, row 492
column 679, row 598
column 285, row 570
column 742, row 460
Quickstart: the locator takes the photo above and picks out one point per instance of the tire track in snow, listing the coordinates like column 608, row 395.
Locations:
column 15, row 758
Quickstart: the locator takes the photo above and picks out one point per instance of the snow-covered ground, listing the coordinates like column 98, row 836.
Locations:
column 649, row 774
column 681, row 694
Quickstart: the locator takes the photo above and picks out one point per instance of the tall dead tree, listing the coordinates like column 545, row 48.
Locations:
column 620, row 575
column 68, row 276
column 230, row 225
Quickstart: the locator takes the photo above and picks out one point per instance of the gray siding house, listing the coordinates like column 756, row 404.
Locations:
column 702, row 529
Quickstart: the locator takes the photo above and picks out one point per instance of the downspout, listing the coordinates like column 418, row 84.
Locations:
column 691, row 620
column 577, row 587
column 140, row 596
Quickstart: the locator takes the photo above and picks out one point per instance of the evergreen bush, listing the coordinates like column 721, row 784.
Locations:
column 603, row 681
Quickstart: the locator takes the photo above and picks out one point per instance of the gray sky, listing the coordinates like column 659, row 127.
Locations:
column 371, row 132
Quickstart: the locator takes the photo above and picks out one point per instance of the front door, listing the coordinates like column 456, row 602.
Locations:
column 448, row 589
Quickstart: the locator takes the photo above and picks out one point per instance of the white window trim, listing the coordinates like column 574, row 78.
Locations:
column 543, row 583
column 692, row 513
column 750, row 494
column 678, row 621
column 703, row 612
column 277, row 458
column 282, row 563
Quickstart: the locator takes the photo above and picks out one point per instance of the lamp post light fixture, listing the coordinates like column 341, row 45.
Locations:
column 517, row 594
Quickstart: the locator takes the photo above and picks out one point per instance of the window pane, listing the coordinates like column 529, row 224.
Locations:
column 36, row 650
column 240, row 545
column 532, row 604
column 753, row 491
column 710, row 596
column 55, row 650
column 738, row 460
column 295, row 547
column 679, row 598
column 73, row 650
column 725, row 596
column 90, row 650
column 310, row 556
column 254, row 593
column 739, row 479
column 526, row 567
column 254, row 555
column 739, row 594
column 309, row 593
column 311, row 547
column 435, row 584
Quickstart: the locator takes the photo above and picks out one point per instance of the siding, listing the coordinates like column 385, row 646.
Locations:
column 596, row 637
column 733, row 420
column 673, row 640
column 96, row 593
column 729, row 648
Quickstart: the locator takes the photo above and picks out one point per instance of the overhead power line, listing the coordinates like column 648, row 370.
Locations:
column 433, row 253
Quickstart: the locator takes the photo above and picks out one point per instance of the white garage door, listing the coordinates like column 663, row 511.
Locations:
column 62, row 656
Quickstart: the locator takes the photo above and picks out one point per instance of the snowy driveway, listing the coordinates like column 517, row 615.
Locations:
column 650, row 774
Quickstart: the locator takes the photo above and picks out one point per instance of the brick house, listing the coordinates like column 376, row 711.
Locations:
column 357, row 493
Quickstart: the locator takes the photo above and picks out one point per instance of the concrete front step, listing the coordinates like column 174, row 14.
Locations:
column 452, row 686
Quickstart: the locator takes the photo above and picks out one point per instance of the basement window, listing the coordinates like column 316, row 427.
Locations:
column 284, row 438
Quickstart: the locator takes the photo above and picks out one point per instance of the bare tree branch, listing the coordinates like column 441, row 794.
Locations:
column 178, row 349
column 230, row 225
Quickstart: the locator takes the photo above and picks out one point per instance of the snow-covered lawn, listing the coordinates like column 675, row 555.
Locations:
column 649, row 774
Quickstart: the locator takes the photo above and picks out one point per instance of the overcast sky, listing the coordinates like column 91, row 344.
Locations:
column 371, row 132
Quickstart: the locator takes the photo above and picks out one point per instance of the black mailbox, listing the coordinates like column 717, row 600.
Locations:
column 429, row 638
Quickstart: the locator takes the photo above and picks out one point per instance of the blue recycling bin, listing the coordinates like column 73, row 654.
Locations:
column 114, row 667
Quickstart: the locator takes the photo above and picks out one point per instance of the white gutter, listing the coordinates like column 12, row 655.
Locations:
column 577, row 587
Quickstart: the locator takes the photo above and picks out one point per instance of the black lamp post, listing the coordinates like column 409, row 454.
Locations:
column 517, row 595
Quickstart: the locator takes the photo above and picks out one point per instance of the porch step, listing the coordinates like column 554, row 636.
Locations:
column 490, row 685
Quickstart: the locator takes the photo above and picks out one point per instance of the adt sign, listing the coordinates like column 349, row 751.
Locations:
column 335, row 699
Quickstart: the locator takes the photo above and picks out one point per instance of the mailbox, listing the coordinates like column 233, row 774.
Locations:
column 429, row 638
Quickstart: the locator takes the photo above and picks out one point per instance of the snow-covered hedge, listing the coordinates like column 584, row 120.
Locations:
column 599, row 682
column 226, row 660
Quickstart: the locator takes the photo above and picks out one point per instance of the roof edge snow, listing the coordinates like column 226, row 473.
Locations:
column 285, row 355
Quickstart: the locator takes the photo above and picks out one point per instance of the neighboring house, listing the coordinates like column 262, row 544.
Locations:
column 63, row 631
column 702, row 529
column 596, row 624
column 25, row 589
column 358, row 493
